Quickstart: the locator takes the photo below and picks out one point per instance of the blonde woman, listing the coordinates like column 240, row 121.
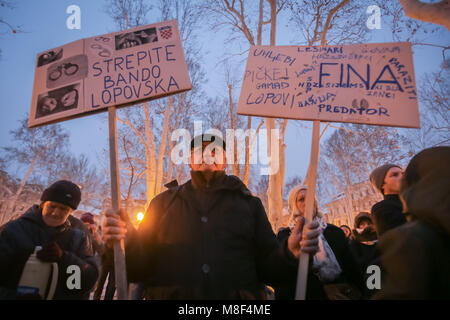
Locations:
column 332, row 264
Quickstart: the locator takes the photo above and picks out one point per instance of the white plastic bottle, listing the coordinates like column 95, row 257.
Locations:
column 38, row 277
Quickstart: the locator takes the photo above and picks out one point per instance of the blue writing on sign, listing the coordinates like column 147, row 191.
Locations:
column 357, row 111
column 326, row 67
column 269, row 54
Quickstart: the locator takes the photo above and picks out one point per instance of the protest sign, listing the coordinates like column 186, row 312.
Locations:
column 116, row 69
column 105, row 72
column 361, row 83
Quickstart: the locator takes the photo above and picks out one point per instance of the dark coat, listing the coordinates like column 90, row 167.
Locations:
column 416, row 263
column 206, row 241
column 18, row 239
column 315, row 289
column 365, row 255
column 387, row 214
column 416, row 255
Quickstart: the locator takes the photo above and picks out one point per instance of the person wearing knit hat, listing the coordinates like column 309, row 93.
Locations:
column 415, row 256
column 387, row 214
column 58, row 201
column 363, row 246
column 387, row 176
column 63, row 239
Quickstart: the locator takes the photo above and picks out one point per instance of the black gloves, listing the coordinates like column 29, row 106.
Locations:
column 50, row 252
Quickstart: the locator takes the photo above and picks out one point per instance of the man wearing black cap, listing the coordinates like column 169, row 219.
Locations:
column 387, row 214
column 50, row 226
column 209, row 238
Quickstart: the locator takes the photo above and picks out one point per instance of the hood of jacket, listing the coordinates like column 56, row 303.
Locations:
column 425, row 188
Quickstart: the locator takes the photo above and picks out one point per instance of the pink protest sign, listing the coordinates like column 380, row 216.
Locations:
column 361, row 83
column 116, row 69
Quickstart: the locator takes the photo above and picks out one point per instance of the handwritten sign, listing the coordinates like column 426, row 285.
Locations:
column 116, row 69
column 364, row 83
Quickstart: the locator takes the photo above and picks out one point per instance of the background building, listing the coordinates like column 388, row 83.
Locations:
column 343, row 209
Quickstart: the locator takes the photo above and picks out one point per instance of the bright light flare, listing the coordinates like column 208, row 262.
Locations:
column 140, row 216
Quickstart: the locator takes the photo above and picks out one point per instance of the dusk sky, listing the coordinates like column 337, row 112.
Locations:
column 44, row 26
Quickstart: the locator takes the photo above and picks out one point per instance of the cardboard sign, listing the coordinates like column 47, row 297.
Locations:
column 116, row 69
column 364, row 83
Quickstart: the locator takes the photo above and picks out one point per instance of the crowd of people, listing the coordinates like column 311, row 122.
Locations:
column 210, row 238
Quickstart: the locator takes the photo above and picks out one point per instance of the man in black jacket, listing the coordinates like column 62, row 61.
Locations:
column 48, row 225
column 208, row 238
column 387, row 214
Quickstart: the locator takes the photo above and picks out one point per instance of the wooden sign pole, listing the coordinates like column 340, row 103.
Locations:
column 119, row 246
column 302, row 275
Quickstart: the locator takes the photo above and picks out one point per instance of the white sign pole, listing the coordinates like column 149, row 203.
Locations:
column 119, row 246
column 302, row 276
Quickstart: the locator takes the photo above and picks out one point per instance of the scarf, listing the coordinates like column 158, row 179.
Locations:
column 324, row 265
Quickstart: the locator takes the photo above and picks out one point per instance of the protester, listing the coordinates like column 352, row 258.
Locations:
column 387, row 214
column 347, row 230
column 334, row 273
column 364, row 246
column 208, row 238
column 93, row 235
column 48, row 225
column 415, row 256
column 94, row 238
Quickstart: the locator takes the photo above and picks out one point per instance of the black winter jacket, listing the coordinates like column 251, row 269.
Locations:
column 387, row 214
column 416, row 255
column 315, row 291
column 206, row 240
column 18, row 239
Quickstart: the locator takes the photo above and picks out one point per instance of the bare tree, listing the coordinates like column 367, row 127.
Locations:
column 128, row 13
column 434, row 90
column 352, row 152
column 33, row 148
column 93, row 185
column 329, row 21
column 6, row 26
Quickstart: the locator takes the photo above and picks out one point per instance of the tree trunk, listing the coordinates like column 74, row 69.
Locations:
column 275, row 189
column 162, row 146
column 247, row 151
column 149, row 157
column 234, row 164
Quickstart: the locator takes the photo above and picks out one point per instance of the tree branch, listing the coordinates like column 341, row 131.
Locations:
column 437, row 13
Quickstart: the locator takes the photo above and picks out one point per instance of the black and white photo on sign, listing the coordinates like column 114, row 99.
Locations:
column 49, row 57
column 67, row 71
column 136, row 38
column 101, row 46
column 58, row 100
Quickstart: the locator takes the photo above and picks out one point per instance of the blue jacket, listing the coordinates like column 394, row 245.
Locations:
column 18, row 239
